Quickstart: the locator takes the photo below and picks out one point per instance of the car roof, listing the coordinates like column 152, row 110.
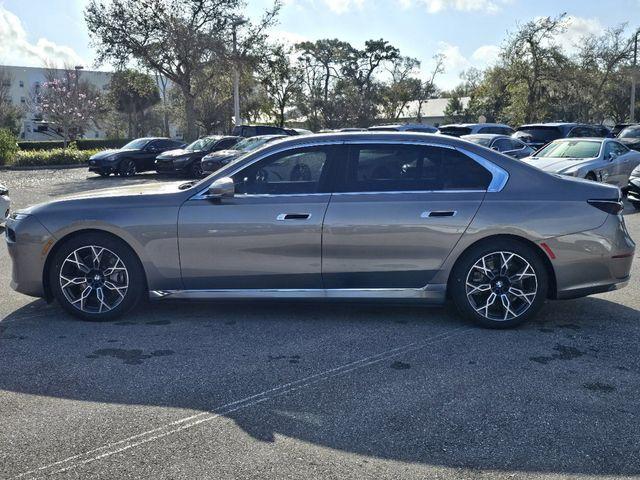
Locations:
column 588, row 139
column 402, row 125
column 490, row 136
column 469, row 125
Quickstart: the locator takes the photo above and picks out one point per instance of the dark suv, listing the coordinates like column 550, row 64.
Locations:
column 136, row 156
column 255, row 130
column 537, row 135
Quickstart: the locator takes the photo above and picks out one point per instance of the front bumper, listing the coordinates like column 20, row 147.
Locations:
column 98, row 166
column 28, row 242
column 594, row 261
column 169, row 166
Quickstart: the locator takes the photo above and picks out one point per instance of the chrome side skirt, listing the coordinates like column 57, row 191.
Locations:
column 430, row 294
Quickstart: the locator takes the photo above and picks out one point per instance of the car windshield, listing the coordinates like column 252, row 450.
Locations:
column 455, row 131
column 630, row 132
column 250, row 143
column 538, row 134
column 136, row 144
column 202, row 144
column 571, row 149
column 485, row 142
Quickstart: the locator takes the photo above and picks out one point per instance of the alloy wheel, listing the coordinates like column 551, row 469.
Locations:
column 93, row 279
column 501, row 286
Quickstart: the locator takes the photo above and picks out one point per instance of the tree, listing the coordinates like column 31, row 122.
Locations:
column 10, row 115
column 68, row 102
column 428, row 87
column 133, row 93
column 402, row 88
column 281, row 80
column 176, row 38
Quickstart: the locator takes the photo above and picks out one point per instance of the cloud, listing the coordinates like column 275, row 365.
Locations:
column 15, row 47
column 287, row 38
column 486, row 55
column 343, row 6
column 576, row 28
column 453, row 58
column 437, row 6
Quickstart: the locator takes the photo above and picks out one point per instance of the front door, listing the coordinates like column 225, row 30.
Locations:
column 269, row 235
column 397, row 213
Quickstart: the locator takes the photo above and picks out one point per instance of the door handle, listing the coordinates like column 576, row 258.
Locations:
column 293, row 216
column 438, row 213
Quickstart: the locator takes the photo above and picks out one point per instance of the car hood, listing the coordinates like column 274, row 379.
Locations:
column 630, row 141
column 108, row 153
column 96, row 198
column 556, row 164
column 180, row 152
column 222, row 154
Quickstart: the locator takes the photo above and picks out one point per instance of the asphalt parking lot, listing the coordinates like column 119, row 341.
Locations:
column 277, row 390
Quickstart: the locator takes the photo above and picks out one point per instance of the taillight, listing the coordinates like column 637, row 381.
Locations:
column 614, row 207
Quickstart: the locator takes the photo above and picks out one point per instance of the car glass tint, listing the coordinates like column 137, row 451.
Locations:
column 538, row 134
column 456, row 131
column 294, row 172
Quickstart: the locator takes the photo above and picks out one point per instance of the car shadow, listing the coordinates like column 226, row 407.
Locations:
column 555, row 396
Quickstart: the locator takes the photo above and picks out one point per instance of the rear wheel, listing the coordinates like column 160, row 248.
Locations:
column 127, row 168
column 499, row 284
column 96, row 277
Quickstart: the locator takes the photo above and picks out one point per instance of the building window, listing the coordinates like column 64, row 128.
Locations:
column 21, row 84
column 6, row 82
column 23, row 100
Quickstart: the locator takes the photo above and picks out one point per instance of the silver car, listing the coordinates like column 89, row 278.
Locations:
column 385, row 216
column 597, row 159
column 5, row 203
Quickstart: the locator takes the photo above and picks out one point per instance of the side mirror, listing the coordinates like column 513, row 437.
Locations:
column 222, row 188
column 612, row 156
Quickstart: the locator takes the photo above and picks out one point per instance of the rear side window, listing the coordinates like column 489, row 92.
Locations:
column 538, row 134
column 455, row 131
column 225, row 143
column 385, row 168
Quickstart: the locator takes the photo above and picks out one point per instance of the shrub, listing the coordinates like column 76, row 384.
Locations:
column 8, row 146
column 57, row 156
column 83, row 144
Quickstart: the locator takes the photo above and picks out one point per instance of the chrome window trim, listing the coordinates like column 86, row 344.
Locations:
column 498, row 181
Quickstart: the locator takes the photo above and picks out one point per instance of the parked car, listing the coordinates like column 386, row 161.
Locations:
column 136, row 156
column 501, row 143
column 188, row 160
column 351, row 129
column 633, row 189
column 618, row 127
column 299, row 131
column 5, row 203
column 405, row 127
column 537, row 135
column 309, row 218
column 214, row 161
column 259, row 130
column 460, row 129
column 601, row 160
column 630, row 136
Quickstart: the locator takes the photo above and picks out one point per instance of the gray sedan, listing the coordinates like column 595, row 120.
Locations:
column 376, row 216
column 600, row 160
column 501, row 143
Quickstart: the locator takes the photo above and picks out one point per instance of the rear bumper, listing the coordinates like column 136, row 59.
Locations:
column 594, row 261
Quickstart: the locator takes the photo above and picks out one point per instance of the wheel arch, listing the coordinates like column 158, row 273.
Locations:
column 48, row 294
column 553, row 288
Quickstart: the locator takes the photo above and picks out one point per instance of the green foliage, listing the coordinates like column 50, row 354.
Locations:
column 56, row 156
column 82, row 144
column 8, row 146
column 133, row 93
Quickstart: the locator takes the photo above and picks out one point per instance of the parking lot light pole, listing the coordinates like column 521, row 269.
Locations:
column 236, row 72
column 634, row 73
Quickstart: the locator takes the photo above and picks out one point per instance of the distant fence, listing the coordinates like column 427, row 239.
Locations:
column 82, row 144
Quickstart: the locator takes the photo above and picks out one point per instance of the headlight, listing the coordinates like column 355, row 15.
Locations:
column 17, row 216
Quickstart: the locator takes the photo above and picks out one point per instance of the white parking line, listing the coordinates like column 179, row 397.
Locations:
column 113, row 448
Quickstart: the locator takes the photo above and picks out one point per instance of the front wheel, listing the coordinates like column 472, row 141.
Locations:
column 104, row 173
column 196, row 169
column 499, row 284
column 127, row 168
column 96, row 277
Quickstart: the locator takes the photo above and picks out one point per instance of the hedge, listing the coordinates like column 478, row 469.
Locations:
column 57, row 156
column 82, row 144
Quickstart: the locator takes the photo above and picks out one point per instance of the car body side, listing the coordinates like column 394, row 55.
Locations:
column 576, row 233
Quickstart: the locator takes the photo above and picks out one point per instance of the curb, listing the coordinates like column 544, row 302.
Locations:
column 43, row 167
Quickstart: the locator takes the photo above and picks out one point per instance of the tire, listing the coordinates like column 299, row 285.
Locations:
column 195, row 170
column 73, row 271
column 104, row 174
column 127, row 168
column 634, row 204
column 530, row 291
column 591, row 176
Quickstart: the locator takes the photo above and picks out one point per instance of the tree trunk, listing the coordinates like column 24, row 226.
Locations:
column 190, row 116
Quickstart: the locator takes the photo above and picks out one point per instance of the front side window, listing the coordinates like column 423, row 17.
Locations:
column 296, row 171
column 503, row 145
column 384, row 168
column 138, row 144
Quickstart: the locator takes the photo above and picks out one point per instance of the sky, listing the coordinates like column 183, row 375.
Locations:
column 467, row 32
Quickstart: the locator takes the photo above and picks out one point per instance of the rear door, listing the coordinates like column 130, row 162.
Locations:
column 397, row 212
